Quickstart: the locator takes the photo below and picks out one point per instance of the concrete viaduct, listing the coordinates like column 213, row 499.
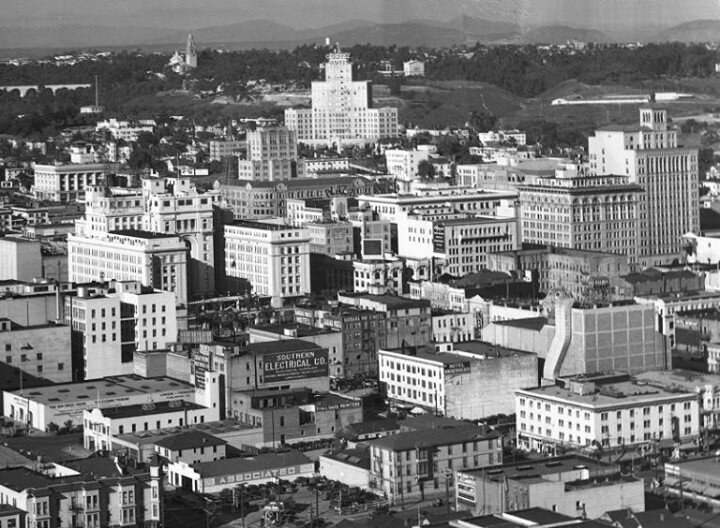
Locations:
column 24, row 89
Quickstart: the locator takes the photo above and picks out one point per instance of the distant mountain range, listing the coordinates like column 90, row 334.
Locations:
column 265, row 33
column 695, row 31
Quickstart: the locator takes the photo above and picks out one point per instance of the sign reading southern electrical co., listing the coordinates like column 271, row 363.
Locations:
column 284, row 366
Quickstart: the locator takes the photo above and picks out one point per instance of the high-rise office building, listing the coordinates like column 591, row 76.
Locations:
column 342, row 111
column 649, row 155
column 147, row 236
column 571, row 209
column 271, row 153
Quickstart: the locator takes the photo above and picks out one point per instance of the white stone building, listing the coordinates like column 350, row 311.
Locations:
column 271, row 153
column 274, row 257
column 648, row 153
column 609, row 411
column 342, row 111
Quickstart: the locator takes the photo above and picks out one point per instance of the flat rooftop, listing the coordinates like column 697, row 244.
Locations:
column 230, row 466
column 188, row 440
column 473, row 220
column 426, row 438
column 358, row 457
column 611, row 394
column 302, row 330
column 471, row 351
column 687, row 380
column 281, row 345
column 391, row 301
column 265, row 226
column 105, row 388
column 145, row 409
column 138, row 233
column 538, row 468
column 529, row 323
column 705, row 467
column 212, row 428
column 296, row 183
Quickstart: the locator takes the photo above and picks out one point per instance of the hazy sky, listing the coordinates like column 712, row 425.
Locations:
column 188, row 14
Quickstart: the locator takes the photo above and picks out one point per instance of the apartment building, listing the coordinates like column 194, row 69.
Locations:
column 379, row 275
column 224, row 148
column 610, row 411
column 330, row 238
column 271, row 154
column 364, row 332
column 98, row 494
column 422, row 463
column 470, row 380
column 273, row 257
column 407, row 321
column 125, row 130
column 403, row 165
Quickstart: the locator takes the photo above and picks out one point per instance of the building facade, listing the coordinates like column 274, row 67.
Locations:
column 611, row 412
column 573, row 210
column 471, row 381
column 55, row 495
column 154, row 260
column 342, row 111
column 68, row 182
column 111, row 323
column 274, row 258
column 271, row 154
column 43, row 351
column 407, row 321
column 648, row 154
column 420, row 463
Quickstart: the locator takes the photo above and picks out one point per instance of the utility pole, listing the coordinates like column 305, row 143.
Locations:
column 242, row 507
column 448, row 474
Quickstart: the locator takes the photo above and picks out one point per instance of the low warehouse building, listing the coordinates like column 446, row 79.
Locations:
column 59, row 403
column 213, row 477
column 349, row 466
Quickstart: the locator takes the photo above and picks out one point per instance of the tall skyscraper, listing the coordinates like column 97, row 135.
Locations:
column 649, row 155
column 190, row 52
column 342, row 111
column 271, row 153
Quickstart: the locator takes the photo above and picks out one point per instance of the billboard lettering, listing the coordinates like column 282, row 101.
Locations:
column 284, row 366
column 250, row 476
column 461, row 367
